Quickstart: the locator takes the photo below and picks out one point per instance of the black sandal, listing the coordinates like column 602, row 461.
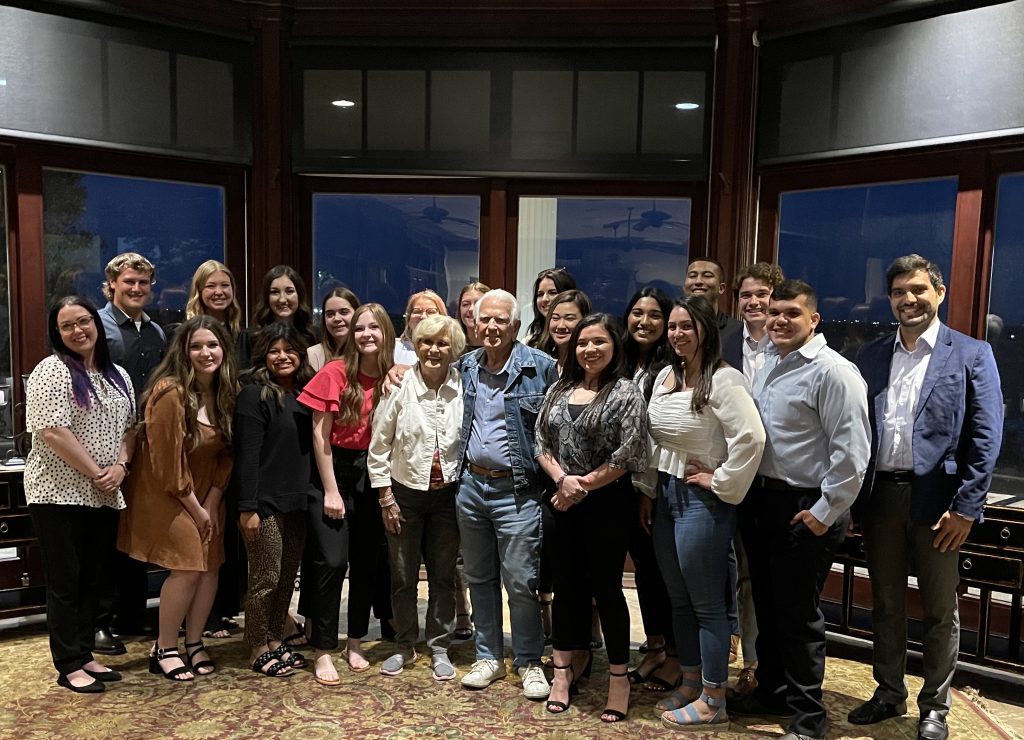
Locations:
column 560, row 707
column 295, row 659
column 462, row 633
column 636, row 676
column 614, row 715
column 192, row 649
column 280, row 669
column 159, row 654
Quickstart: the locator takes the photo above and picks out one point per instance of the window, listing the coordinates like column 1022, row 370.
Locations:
column 6, row 382
column 841, row 240
column 1006, row 328
column 89, row 218
column 611, row 246
column 384, row 248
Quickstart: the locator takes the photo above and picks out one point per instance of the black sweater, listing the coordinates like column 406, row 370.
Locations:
column 274, row 467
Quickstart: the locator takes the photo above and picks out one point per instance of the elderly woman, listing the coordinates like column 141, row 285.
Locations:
column 421, row 305
column 414, row 467
column 591, row 433
column 79, row 407
column 708, row 439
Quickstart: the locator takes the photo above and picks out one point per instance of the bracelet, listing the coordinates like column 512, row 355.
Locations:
column 124, row 465
column 558, row 483
column 387, row 501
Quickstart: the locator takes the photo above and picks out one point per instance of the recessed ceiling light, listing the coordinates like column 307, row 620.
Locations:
column 687, row 106
column 343, row 103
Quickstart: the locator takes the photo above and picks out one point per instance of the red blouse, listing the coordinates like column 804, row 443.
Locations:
column 323, row 393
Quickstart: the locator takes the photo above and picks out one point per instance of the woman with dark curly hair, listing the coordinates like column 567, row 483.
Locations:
column 274, row 478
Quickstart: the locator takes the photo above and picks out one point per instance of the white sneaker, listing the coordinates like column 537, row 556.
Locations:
column 483, row 673
column 535, row 683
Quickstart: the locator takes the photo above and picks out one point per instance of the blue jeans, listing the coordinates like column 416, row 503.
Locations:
column 501, row 543
column 692, row 534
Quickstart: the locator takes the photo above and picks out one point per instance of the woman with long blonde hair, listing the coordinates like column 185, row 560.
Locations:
column 182, row 466
column 213, row 293
column 344, row 523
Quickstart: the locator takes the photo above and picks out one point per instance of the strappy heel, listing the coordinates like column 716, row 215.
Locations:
column 558, row 707
column 689, row 717
column 610, row 715
column 191, row 650
column 636, row 676
column 682, row 696
column 173, row 674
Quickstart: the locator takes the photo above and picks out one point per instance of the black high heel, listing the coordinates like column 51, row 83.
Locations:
column 558, row 707
column 614, row 715
column 159, row 654
column 637, row 676
column 193, row 649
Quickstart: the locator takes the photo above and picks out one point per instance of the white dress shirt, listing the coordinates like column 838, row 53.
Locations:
column 753, row 353
column 906, row 376
column 814, row 405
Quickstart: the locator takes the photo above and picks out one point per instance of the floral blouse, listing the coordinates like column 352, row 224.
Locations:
column 615, row 433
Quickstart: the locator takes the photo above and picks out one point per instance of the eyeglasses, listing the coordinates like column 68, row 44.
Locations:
column 424, row 312
column 69, row 326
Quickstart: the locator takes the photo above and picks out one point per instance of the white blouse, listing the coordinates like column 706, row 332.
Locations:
column 726, row 435
column 100, row 429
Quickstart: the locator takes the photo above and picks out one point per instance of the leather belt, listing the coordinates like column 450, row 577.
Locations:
column 895, row 476
column 777, row 484
column 487, row 472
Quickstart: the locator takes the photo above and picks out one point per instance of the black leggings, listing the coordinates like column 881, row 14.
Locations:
column 589, row 552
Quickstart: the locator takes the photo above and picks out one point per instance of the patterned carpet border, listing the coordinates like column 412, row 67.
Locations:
column 238, row 703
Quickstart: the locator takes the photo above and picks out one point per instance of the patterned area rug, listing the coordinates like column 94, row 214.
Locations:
column 237, row 703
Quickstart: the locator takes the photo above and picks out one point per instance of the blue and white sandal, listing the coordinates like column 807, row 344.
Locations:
column 687, row 718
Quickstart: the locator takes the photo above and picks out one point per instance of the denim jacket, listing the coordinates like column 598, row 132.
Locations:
column 530, row 373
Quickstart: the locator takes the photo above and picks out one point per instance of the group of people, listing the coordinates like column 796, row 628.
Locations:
column 725, row 456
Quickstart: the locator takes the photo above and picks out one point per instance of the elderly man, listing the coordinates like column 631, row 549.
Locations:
column 938, row 417
column 137, row 344
column 499, row 498
column 814, row 406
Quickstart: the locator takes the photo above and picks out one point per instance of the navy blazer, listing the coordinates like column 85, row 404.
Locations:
column 958, row 424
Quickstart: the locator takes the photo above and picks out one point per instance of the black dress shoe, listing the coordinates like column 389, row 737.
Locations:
column 105, row 676
column 107, row 644
column 875, row 710
column 932, row 727
column 750, row 706
column 96, row 687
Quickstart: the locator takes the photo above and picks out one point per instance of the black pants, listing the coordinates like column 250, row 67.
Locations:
column 655, row 609
column 76, row 542
column 121, row 594
column 369, row 575
column 589, row 552
column 788, row 567
column 328, row 543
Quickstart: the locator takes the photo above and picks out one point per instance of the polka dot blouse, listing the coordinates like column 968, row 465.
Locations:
column 100, row 429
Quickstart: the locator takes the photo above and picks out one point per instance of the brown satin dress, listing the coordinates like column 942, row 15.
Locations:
column 156, row 528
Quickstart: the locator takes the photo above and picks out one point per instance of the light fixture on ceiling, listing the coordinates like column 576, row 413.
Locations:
column 343, row 103
column 687, row 106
